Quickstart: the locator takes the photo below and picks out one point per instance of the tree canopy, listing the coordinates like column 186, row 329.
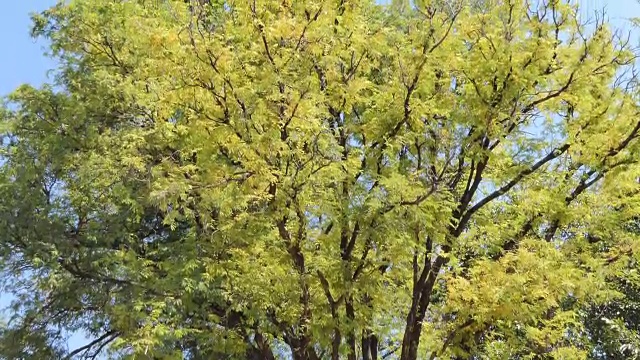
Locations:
column 306, row 180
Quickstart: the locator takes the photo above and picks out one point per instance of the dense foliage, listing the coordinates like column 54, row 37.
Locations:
column 317, row 179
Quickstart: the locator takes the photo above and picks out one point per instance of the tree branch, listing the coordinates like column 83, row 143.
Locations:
column 88, row 346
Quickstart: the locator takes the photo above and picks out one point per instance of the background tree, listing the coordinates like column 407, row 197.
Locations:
column 319, row 179
column 613, row 327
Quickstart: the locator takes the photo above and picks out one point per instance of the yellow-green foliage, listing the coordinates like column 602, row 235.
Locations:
column 319, row 179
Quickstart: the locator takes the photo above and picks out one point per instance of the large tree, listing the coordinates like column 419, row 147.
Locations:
column 311, row 180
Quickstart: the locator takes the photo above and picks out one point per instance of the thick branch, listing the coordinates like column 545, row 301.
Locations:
column 505, row 188
column 90, row 345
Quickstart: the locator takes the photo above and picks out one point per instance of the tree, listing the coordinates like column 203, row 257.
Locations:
column 319, row 180
column 614, row 326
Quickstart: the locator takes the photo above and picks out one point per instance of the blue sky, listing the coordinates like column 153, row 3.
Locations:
column 24, row 62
